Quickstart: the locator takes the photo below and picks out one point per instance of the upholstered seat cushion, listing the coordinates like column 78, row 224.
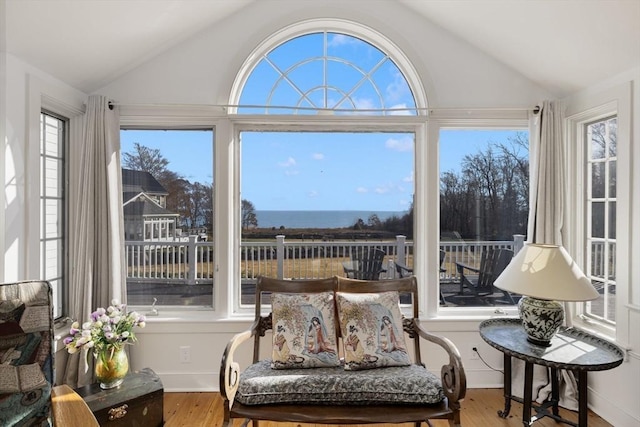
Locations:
column 259, row 384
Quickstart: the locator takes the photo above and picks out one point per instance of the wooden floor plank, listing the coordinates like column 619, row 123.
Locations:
column 479, row 409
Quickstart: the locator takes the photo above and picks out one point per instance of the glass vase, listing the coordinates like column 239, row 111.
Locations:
column 111, row 366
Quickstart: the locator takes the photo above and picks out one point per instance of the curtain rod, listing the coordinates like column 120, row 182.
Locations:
column 535, row 109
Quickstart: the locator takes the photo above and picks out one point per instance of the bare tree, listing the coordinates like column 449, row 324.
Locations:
column 374, row 222
column 489, row 199
column 248, row 212
column 145, row 159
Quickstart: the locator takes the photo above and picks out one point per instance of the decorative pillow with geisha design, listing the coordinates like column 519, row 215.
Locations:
column 371, row 326
column 304, row 331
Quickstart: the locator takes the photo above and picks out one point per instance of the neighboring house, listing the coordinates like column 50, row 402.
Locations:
column 144, row 208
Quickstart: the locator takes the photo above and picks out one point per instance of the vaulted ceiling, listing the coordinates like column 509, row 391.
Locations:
column 563, row 46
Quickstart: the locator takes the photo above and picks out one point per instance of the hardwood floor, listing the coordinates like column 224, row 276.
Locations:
column 479, row 409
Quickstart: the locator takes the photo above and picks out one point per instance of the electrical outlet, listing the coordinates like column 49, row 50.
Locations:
column 474, row 352
column 185, row 354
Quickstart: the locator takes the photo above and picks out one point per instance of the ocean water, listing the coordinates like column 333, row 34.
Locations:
column 318, row 219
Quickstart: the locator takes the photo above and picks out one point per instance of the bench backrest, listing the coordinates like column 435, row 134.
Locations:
column 265, row 286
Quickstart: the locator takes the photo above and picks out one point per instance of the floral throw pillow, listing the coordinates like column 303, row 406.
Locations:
column 372, row 331
column 304, row 331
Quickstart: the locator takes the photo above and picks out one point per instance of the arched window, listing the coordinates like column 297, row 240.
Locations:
column 328, row 186
column 326, row 72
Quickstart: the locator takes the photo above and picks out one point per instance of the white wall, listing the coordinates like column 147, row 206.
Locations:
column 201, row 70
column 27, row 91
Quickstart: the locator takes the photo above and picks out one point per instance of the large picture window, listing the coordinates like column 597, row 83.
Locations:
column 311, row 200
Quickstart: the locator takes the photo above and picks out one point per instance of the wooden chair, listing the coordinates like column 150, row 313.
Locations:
column 492, row 263
column 366, row 263
column 69, row 409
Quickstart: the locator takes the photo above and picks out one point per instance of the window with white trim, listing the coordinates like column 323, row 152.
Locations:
column 600, row 138
column 53, row 207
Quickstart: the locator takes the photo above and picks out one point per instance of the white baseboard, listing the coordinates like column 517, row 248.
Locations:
column 609, row 411
column 181, row 382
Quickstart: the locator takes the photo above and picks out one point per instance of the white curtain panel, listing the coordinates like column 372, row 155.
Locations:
column 547, row 215
column 96, row 225
column 548, row 177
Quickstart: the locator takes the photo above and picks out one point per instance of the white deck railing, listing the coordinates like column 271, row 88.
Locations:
column 193, row 262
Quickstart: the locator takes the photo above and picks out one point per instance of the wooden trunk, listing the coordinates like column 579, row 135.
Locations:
column 137, row 402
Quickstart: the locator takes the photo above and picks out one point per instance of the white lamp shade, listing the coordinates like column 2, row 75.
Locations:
column 546, row 272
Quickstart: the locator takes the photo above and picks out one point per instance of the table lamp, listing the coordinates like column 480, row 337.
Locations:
column 544, row 275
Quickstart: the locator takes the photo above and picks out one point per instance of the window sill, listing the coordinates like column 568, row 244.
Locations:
column 600, row 329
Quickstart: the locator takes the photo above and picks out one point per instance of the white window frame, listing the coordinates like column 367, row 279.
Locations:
column 346, row 124
column 350, row 28
column 472, row 120
column 582, row 110
column 185, row 117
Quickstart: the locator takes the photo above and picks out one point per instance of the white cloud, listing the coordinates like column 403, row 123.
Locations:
column 398, row 88
column 291, row 172
column 408, row 178
column 361, row 190
column 402, row 110
column 318, row 156
column 404, row 144
column 363, row 103
column 382, row 190
column 288, row 163
column 340, row 40
column 313, row 193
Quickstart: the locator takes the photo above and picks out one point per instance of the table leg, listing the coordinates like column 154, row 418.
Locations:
column 582, row 398
column 528, row 393
column 555, row 392
column 506, row 387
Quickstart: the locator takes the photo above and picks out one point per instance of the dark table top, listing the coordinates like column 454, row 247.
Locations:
column 135, row 385
column 570, row 348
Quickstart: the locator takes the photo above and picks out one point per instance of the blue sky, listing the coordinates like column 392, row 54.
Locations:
column 190, row 153
column 316, row 171
column 327, row 171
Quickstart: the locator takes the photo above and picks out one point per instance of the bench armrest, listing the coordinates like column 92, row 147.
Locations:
column 454, row 380
column 230, row 369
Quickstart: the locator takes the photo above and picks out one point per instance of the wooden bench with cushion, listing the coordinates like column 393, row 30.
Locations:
column 339, row 356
